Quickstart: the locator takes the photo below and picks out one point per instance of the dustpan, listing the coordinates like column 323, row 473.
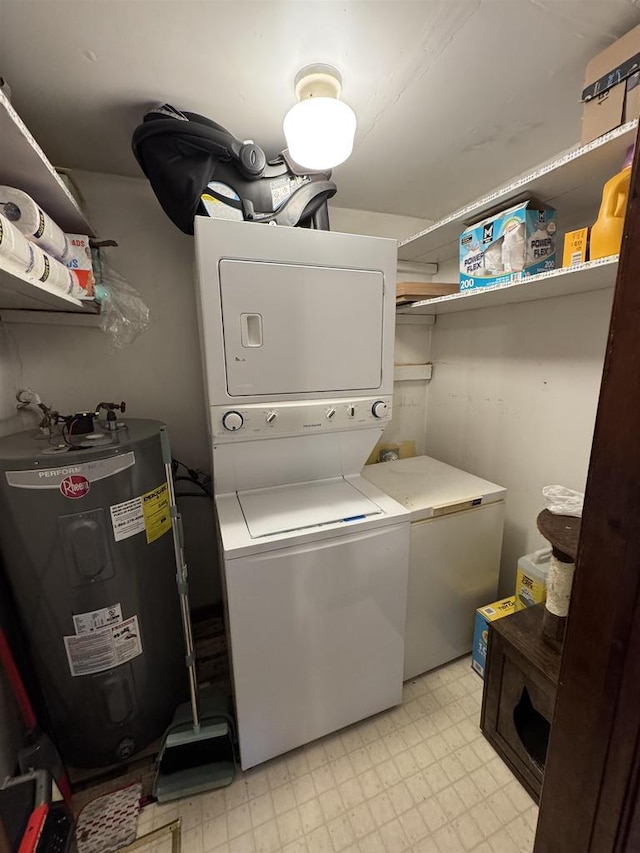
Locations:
column 197, row 752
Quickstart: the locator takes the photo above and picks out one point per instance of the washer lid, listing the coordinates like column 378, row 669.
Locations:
column 282, row 509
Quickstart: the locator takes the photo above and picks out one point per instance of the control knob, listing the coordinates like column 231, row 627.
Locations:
column 351, row 411
column 232, row 421
column 379, row 409
column 271, row 416
column 331, row 413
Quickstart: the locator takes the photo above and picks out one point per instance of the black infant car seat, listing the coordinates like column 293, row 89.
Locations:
column 196, row 166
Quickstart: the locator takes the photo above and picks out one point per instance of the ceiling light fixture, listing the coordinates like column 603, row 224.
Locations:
column 319, row 129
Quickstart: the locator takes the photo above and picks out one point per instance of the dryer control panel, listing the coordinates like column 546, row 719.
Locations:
column 259, row 421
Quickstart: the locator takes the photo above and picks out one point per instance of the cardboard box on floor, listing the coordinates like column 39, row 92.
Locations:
column 611, row 91
column 485, row 615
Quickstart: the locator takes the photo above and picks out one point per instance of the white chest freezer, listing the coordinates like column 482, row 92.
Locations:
column 457, row 523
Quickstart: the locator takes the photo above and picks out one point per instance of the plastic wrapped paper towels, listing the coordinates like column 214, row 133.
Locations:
column 29, row 259
column 20, row 209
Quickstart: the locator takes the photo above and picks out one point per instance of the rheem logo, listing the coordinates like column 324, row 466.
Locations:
column 75, row 486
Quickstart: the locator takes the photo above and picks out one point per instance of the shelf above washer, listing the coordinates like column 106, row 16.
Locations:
column 572, row 182
column 24, row 165
column 565, row 281
column 19, row 292
column 408, row 372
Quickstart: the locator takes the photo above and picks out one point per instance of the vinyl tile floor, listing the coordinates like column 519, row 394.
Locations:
column 420, row 777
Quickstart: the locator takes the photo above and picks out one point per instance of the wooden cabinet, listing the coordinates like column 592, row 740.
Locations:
column 521, row 679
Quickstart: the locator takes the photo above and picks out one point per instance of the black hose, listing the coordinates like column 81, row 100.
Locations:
column 193, row 483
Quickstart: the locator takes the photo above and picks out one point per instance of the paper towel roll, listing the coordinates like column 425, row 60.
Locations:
column 15, row 247
column 52, row 272
column 30, row 259
column 33, row 222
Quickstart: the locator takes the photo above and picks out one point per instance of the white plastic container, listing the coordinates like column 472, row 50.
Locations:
column 531, row 578
column 20, row 209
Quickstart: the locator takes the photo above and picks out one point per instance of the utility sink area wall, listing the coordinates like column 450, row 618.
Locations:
column 513, row 399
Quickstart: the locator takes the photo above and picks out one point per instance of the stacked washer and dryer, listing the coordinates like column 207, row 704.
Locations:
column 297, row 330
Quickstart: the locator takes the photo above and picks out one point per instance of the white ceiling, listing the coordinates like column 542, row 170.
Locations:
column 452, row 96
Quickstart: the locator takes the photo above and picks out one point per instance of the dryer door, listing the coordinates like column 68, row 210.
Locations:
column 291, row 329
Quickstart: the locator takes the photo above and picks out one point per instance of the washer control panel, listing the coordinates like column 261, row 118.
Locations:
column 265, row 421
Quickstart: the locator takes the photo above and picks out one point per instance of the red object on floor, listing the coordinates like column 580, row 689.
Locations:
column 9, row 666
column 28, row 715
column 34, row 829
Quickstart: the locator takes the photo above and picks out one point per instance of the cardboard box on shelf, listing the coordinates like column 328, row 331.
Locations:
column 79, row 260
column 611, row 90
column 485, row 615
column 413, row 291
column 507, row 246
column 575, row 247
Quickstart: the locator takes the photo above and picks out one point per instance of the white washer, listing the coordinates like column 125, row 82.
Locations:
column 297, row 330
column 317, row 613
column 457, row 523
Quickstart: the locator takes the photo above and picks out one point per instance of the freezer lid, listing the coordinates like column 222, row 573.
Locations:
column 303, row 505
column 428, row 488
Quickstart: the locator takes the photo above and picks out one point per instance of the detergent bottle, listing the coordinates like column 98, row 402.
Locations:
column 606, row 232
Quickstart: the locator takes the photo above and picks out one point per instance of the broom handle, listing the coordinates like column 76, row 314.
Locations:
column 181, row 578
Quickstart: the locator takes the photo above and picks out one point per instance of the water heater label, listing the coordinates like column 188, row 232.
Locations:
column 104, row 648
column 149, row 512
column 127, row 519
column 84, row 623
column 157, row 514
column 68, row 478
column 75, row 486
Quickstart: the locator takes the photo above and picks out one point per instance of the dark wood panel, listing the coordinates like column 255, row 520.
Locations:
column 562, row 531
column 523, row 630
column 589, row 798
column 519, row 694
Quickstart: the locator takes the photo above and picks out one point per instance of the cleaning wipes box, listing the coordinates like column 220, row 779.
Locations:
column 508, row 246
column 485, row 615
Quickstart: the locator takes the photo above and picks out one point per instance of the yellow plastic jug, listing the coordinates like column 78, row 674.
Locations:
column 606, row 232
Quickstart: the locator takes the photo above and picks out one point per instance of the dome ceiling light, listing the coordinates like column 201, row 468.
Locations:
column 319, row 129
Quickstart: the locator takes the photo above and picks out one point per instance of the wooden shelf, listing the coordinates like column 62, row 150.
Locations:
column 24, row 165
column 18, row 291
column 593, row 275
column 412, row 372
column 571, row 182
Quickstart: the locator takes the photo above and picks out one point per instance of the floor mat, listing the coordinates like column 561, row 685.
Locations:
column 109, row 822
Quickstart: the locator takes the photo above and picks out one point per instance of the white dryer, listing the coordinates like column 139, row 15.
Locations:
column 297, row 329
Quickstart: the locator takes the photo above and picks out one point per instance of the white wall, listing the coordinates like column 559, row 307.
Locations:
column 513, row 399
column 413, row 342
column 413, row 346
column 375, row 224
